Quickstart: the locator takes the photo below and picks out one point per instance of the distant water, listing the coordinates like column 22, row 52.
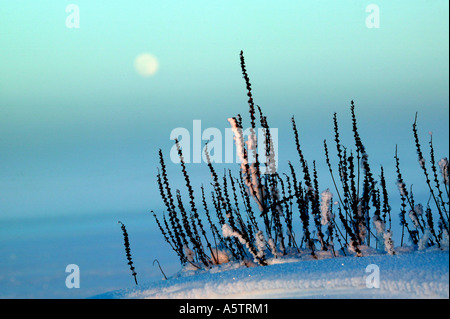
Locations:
column 34, row 254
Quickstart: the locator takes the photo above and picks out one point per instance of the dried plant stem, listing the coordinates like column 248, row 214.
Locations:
column 156, row 260
column 128, row 251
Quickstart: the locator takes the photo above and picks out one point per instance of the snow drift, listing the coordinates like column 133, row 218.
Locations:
column 408, row 274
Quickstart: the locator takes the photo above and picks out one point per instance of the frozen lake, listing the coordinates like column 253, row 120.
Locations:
column 36, row 251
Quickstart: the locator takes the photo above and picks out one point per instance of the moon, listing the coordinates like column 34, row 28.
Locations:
column 146, row 64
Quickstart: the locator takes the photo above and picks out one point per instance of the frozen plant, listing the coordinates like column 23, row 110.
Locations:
column 388, row 242
column 443, row 165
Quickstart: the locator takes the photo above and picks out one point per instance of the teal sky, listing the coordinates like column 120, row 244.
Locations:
column 80, row 128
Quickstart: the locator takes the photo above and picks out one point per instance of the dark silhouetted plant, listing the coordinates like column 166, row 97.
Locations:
column 252, row 215
column 128, row 251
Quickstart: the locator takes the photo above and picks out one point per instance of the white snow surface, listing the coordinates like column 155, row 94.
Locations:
column 407, row 274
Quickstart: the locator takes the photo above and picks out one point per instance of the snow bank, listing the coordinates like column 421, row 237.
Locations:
column 418, row 274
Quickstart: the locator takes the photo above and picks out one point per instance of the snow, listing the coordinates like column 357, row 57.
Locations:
column 408, row 274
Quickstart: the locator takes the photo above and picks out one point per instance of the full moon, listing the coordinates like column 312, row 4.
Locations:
column 146, row 64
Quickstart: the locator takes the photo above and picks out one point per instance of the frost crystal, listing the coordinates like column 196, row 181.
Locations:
column 388, row 242
column 443, row 165
column 325, row 206
column 423, row 242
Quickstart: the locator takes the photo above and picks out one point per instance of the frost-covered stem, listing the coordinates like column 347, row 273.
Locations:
column 228, row 231
column 326, row 214
column 249, row 171
column 383, row 236
column 416, row 215
column 388, row 242
column 436, row 180
column 443, row 166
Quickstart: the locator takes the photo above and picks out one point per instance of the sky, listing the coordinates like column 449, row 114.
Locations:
column 80, row 127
